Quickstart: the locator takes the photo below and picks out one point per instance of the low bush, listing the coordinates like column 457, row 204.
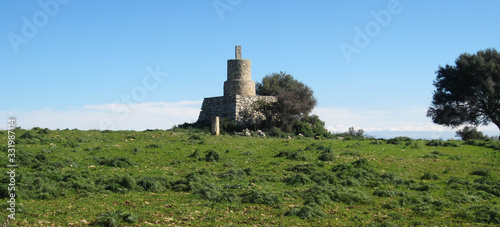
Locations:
column 320, row 195
column 481, row 214
column 481, row 172
column 458, row 196
column 306, row 212
column 429, row 176
column 297, row 179
column 298, row 155
column 398, row 140
column 212, row 156
column 260, row 197
column 326, row 154
column 387, row 193
column 153, row 145
column 115, row 218
column 114, row 161
column 235, row 174
column 303, row 168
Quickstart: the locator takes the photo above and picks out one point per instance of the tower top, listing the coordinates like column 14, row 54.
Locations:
column 237, row 52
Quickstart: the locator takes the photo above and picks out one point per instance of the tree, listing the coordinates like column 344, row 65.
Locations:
column 295, row 99
column 470, row 133
column 469, row 91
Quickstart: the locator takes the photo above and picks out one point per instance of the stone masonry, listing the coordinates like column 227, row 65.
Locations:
column 239, row 94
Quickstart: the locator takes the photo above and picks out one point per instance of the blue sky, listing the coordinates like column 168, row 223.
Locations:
column 149, row 64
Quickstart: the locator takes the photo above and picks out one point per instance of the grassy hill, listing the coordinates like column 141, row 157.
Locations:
column 190, row 178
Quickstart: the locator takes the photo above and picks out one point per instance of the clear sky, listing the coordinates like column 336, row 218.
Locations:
column 149, row 64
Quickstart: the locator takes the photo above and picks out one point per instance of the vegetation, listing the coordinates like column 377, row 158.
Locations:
column 185, row 177
column 469, row 91
column 295, row 102
column 471, row 133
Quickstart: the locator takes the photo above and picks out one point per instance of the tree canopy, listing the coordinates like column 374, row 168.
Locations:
column 469, row 91
column 295, row 101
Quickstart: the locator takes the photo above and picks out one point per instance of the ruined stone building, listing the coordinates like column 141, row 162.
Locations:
column 239, row 94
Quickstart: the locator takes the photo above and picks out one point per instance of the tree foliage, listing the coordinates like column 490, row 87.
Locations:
column 291, row 112
column 469, row 91
column 470, row 133
column 295, row 99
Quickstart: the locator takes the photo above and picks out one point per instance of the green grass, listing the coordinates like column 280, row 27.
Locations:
column 186, row 178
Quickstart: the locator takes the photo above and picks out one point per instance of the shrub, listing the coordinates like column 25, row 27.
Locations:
column 481, row 214
column 292, row 155
column 260, row 197
column 330, row 156
column 303, row 168
column 277, row 132
column 44, row 131
column 481, row 172
column 470, row 133
column 150, row 183
column 27, row 135
column 429, row 176
column 327, row 194
column 435, row 143
column 458, row 196
column 297, row 179
column 234, row 175
column 306, row 212
column 387, row 193
column 196, row 154
column 398, row 140
column 115, row 218
column 456, row 157
column 154, row 145
column 212, row 156
column 195, row 137
column 118, row 184
column 114, row 161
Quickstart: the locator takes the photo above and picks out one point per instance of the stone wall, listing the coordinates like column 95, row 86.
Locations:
column 233, row 107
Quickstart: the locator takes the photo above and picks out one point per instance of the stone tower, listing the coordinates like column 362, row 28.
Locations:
column 239, row 94
column 239, row 76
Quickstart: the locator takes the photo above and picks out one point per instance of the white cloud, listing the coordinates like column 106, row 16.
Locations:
column 411, row 119
column 138, row 116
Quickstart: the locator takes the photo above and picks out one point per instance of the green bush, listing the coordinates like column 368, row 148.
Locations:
column 321, row 195
column 277, row 132
column 297, row 179
column 115, row 218
column 303, row 168
column 481, row 214
column 298, row 155
column 306, row 212
column 387, row 193
column 481, row 172
column 153, row 145
column 212, row 156
column 398, row 140
column 471, row 133
column 114, row 161
column 429, row 176
column 151, row 183
column 260, row 197
column 327, row 156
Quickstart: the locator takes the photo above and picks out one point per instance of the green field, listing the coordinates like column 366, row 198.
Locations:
column 190, row 178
